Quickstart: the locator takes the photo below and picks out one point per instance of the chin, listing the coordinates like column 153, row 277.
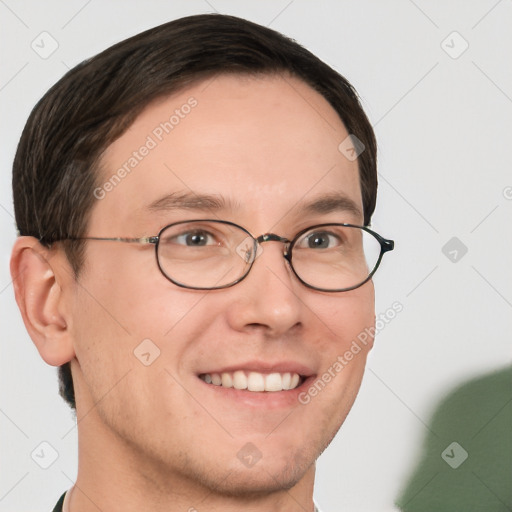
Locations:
column 263, row 478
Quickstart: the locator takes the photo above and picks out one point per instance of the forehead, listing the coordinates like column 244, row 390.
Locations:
column 261, row 144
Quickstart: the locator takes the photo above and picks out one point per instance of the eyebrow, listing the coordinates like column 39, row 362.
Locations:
column 331, row 203
column 327, row 203
column 190, row 201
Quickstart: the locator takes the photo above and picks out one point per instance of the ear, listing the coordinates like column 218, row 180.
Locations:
column 39, row 293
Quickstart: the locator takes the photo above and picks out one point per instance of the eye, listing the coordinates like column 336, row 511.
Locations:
column 194, row 239
column 319, row 240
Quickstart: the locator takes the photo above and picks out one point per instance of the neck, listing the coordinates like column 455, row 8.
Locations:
column 113, row 475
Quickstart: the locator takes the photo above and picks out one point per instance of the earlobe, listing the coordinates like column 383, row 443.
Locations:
column 40, row 298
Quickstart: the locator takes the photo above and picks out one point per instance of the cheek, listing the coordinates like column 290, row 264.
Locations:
column 119, row 313
column 115, row 336
column 126, row 294
column 348, row 321
column 349, row 317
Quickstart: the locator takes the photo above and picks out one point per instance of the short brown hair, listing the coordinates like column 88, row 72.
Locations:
column 56, row 165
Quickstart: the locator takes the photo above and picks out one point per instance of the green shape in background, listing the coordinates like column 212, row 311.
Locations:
column 478, row 416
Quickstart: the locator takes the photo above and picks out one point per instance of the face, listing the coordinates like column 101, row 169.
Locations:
column 257, row 152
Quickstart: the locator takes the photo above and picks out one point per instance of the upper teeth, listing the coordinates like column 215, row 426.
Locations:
column 253, row 381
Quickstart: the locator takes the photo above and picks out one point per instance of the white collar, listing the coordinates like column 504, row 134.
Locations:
column 67, row 497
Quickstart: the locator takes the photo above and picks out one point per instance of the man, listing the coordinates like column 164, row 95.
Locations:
column 194, row 255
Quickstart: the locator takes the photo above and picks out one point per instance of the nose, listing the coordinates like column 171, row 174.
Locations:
column 269, row 297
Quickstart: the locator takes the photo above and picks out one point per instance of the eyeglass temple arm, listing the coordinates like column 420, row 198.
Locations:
column 387, row 245
column 142, row 240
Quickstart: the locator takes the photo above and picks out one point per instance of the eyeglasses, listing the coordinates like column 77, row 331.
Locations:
column 213, row 254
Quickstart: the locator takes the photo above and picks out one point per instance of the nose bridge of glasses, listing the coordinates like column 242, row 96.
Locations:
column 272, row 237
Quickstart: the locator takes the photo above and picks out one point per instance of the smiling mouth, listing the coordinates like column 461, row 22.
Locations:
column 254, row 381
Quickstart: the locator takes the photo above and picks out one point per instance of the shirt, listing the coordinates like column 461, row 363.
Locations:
column 58, row 507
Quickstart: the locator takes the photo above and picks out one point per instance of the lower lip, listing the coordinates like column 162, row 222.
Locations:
column 263, row 399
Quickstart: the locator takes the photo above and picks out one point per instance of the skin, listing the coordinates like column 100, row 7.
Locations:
column 155, row 437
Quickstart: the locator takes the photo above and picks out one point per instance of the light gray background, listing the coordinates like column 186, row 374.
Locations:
column 443, row 125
